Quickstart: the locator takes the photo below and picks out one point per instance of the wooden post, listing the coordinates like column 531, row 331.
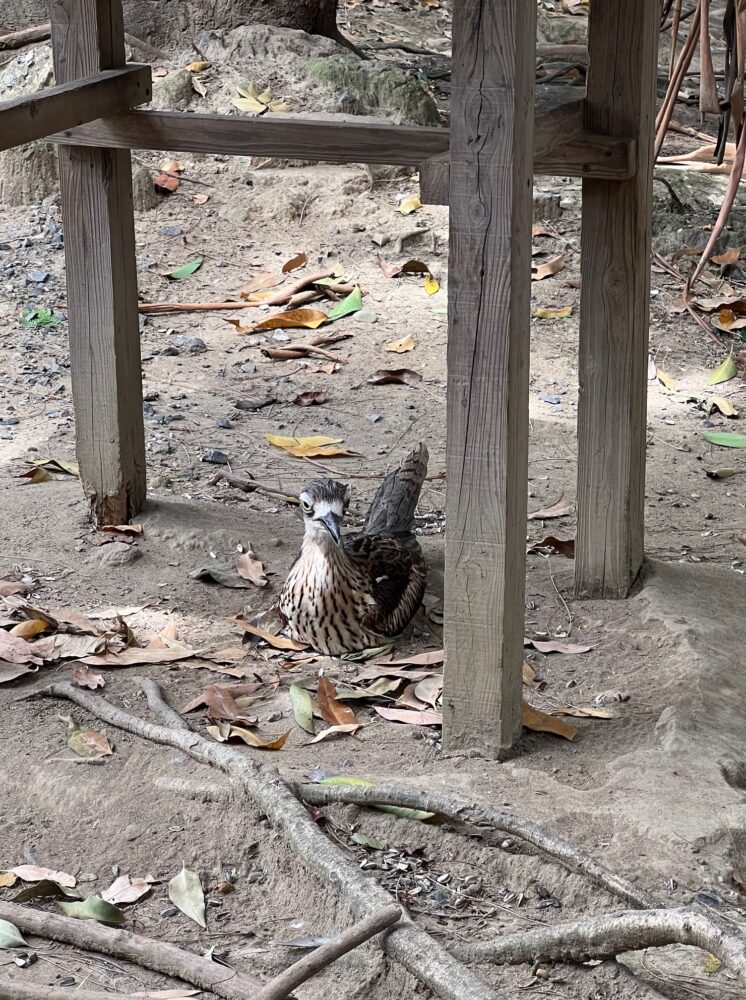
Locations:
column 614, row 303
column 488, row 348
column 96, row 185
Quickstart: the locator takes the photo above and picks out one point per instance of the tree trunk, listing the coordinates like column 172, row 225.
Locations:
column 173, row 24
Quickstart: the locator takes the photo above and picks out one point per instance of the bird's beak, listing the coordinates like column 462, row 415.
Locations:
column 332, row 522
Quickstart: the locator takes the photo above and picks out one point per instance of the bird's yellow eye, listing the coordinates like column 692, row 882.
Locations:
column 306, row 507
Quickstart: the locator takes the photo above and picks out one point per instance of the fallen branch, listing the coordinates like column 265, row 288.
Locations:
column 472, row 814
column 249, row 486
column 160, row 956
column 11, row 990
column 302, row 349
column 283, row 297
column 416, row 950
column 157, row 308
column 607, row 936
column 306, row 967
column 17, row 39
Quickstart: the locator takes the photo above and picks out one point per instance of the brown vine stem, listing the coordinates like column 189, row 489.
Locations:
column 413, row 947
column 475, row 815
column 609, row 935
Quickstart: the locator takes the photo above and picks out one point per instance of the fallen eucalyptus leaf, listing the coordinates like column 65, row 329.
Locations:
column 410, row 718
column 350, row 304
column 401, row 346
column 394, row 376
column 724, row 372
column 344, row 729
column 10, row 936
column 302, row 704
column 295, row 262
column 93, row 908
column 540, row 722
column 185, row 892
column 724, row 439
column 184, row 270
column 410, row 204
column 127, row 890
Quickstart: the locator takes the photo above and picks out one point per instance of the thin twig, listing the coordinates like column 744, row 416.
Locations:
column 250, row 486
column 306, row 967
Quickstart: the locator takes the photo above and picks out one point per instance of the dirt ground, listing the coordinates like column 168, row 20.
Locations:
column 655, row 791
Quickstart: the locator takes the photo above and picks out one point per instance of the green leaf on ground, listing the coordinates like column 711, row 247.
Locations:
column 725, row 439
column 350, row 304
column 184, row 270
column 94, row 908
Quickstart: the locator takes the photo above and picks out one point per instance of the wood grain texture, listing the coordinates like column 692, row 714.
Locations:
column 96, row 185
column 614, row 304
column 488, row 349
column 69, row 104
column 561, row 147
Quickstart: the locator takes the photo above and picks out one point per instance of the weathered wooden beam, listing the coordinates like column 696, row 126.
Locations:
column 488, row 348
column 561, row 148
column 614, row 304
column 96, row 186
column 69, row 104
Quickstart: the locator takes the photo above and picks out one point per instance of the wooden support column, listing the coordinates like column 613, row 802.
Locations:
column 614, row 303
column 488, row 349
column 96, row 185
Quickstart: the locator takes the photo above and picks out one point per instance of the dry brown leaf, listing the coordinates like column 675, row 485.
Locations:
column 394, row 376
column 544, row 231
column 429, row 690
column 584, row 711
column 127, row 890
column 7, row 879
column 214, row 692
column 84, row 677
column 265, row 280
column 401, row 346
column 410, row 718
column 540, row 722
column 124, row 529
column 166, row 183
column 13, row 649
column 251, row 568
column 559, row 509
column 250, row 739
column 410, row 204
column 294, row 263
column 551, row 544
column 198, row 66
column 276, row 641
column 548, row 268
column 139, row 657
column 332, row 710
column 410, row 700
column 12, row 671
column 316, row 398
column 416, row 659
column 10, row 587
column 729, row 256
column 33, row 873
column 316, row 446
column 309, row 319
column 200, row 199
column 333, row 731
column 556, row 646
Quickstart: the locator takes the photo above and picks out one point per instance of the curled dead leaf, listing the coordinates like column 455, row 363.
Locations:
column 310, row 399
column 295, row 262
column 394, row 376
column 332, row 710
column 401, row 346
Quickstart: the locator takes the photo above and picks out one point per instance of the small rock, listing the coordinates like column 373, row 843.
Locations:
column 9, row 421
column 215, row 457
column 150, row 396
column 552, row 400
column 195, row 345
column 171, row 230
column 248, row 368
column 168, row 352
column 224, row 423
column 274, row 717
column 38, row 277
column 365, row 316
column 170, row 911
column 118, row 554
column 375, row 418
column 161, row 448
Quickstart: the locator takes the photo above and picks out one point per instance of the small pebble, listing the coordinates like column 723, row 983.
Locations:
column 195, row 345
column 375, row 418
column 38, row 276
column 170, row 911
column 171, row 230
column 168, row 352
column 9, row 421
column 224, row 423
column 215, row 457
column 365, row 316
column 248, row 368
column 552, row 400
column 274, row 717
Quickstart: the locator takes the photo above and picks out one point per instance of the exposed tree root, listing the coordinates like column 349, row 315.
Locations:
column 12, row 990
column 474, row 815
column 159, row 956
column 416, row 950
column 609, row 935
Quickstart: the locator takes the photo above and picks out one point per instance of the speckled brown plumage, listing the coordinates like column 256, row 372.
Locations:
column 351, row 592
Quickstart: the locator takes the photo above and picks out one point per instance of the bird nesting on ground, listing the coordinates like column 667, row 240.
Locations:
column 351, row 592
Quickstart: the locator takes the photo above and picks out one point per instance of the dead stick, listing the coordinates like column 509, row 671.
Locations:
column 612, row 934
column 284, row 984
column 409, row 944
column 10, row 990
column 248, row 486
column 474, row 814
column 17, row 39
column 159, row 956
column 168, row 307
column 280, row 298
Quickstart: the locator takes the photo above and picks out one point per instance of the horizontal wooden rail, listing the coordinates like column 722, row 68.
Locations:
column 38, row 115
column 560, row 146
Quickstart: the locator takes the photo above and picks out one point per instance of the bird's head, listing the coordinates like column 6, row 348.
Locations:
column 323, row 503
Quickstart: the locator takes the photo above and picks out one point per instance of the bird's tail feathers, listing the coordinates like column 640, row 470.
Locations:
column 393, row 507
